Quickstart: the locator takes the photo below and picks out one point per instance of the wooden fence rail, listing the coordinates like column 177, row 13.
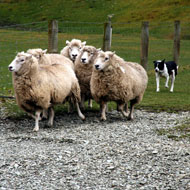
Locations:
column 107, row 39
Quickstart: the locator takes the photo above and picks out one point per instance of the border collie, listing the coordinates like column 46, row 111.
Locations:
column 165, row 69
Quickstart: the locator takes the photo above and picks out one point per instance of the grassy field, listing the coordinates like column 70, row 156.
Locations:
column 126, row 44
column 24, row 11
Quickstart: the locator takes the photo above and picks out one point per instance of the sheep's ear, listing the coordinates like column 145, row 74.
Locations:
column 99, row 49
column 67, row 42
column 29, row 56
column 112, row 54
column 84, row 43
column 44, row 51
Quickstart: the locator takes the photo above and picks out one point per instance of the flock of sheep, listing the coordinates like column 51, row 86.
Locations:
column 79, row 73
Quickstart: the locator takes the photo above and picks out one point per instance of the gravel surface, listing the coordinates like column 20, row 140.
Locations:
column 112, row 155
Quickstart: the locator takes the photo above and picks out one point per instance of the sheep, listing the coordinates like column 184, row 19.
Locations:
column 83, row 69
column 72, row 49
column 113, row 79
column 49, row 59
column 38, row 87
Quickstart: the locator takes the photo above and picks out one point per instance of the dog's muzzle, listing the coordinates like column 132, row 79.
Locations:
column 157, row 70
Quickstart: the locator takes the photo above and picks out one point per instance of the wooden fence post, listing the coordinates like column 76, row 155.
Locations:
column 144, row 44
column 176, row 49
column 53, row 36
column 107, row 35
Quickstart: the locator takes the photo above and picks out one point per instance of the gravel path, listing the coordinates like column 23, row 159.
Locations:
column 112, row 155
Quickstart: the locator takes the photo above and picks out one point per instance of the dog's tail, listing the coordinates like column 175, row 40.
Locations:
column 176, row 70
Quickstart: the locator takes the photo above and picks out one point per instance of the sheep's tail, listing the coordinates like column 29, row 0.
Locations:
column 75, row 93
column 76, row 98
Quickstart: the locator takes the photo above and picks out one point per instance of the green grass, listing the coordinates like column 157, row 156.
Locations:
column 178, row 132
column 24, row 11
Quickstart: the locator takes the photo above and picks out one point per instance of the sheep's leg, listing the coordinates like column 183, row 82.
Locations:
column 103, row 111
column 121, row 108
column 126, row 107
column 172, row 81
column 45, row 114
column 37, row 118
column 157, row 82
column 79, row 112
column 31, row 115
column 132, row 104
column 90, row 103
column 70, row 107
column 82, row 102
column 51, row 116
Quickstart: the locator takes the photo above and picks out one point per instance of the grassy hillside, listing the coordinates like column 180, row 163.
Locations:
column 24, row 11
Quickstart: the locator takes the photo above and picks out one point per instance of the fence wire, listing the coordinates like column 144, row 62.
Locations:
column 126, row 40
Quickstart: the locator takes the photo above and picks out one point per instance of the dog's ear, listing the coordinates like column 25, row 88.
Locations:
column 154, row 61
column 163, row 61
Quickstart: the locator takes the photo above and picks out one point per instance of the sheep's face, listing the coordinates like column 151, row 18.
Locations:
column 103, row 60
column 37, row 52
column 19, row 61
column 87, row 54
column 75, row 47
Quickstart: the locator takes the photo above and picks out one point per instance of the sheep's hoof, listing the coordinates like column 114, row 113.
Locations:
column 103, row 119
column 130, row 118
column 90, row 106
column 166, row 86
column 48, row 125
column 83, row 117
column 171, row 91
column 36, row 129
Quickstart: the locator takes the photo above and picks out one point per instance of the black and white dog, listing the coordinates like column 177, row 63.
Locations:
column 167, row 70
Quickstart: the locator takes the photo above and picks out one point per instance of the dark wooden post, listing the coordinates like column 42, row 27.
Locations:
column 144, row 44
column 107, row 35
column 53, row 36
column 176, row 50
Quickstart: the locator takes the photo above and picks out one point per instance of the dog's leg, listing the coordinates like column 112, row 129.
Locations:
column 172, row 81
column 167, row 80
column 157, row 82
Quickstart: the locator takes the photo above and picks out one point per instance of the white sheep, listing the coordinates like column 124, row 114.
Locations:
column 83, row 69
column 72, row 49
column 38, row 87
column 49, row 59
column 113, row 79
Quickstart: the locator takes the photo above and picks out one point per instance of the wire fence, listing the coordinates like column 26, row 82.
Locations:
column 126, row 40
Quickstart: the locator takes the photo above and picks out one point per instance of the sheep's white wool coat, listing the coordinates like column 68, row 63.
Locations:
column 40, row 86
column 121, row 82
column 84, row 71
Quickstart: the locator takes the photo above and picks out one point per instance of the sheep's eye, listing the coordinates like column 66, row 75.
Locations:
column 22, row 60
column 106, row 58
column 80, row 47
column 91, row 53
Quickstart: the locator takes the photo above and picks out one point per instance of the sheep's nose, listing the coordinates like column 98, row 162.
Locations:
column 83, row 60
column 97, row 67
column 74, row 55
column 10, row 68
